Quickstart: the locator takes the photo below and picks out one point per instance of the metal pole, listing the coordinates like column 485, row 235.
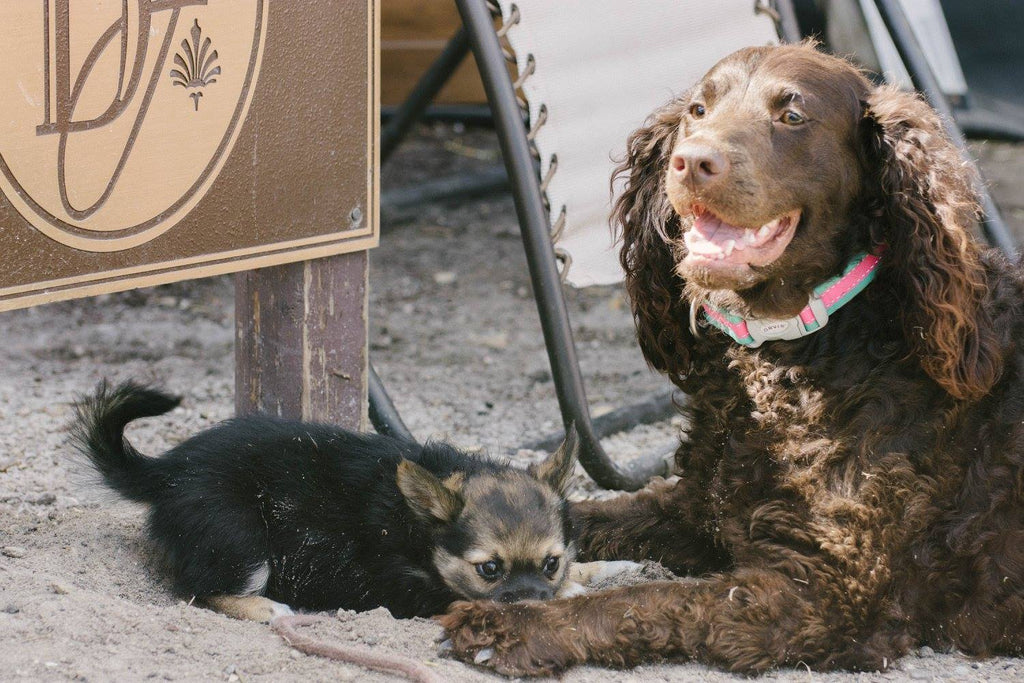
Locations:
column 924, row 80
column 383, row 415
column 789, row 28
column 533, row 221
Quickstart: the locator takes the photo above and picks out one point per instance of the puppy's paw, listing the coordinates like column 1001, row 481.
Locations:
column 571, row 589
column 589, row 573
column 279, row 609
column 248, row 607
column 520, row 639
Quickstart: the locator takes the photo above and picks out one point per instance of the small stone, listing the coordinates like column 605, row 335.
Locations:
column 294, row 654
column 381, row 342
column 14, row 551
column 925, row 651
column 445, row 277
column 961, row 671
column 542, row 376
column 60, row 588
column 920, row 675
column 497, row 340
column 10, row 609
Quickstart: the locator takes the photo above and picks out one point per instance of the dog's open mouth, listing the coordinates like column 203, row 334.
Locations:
column 712, row 241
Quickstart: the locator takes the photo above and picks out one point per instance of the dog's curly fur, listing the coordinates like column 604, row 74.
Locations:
column 844, row 496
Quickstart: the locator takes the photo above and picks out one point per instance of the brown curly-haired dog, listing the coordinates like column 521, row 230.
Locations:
column 845, row 495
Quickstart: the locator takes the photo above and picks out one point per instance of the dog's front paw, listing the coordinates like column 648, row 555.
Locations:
column 521, row 639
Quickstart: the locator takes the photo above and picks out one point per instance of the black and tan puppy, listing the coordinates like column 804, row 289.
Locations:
column 260, row 515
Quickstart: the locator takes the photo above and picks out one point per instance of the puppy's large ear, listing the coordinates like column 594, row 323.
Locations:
column 928, row 203
column 430, row 499
column 647, row 223
column 556, row 470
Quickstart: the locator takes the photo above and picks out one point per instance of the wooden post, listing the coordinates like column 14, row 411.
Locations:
column 300, row 340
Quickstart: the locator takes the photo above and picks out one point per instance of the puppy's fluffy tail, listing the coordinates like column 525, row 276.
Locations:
column 98, row 433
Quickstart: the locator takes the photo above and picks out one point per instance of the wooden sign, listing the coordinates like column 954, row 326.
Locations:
column 146, row 141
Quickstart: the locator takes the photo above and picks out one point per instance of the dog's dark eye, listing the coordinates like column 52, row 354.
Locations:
column 792, row 118
column 551, row 566
column 697, row 111
column 490, row 570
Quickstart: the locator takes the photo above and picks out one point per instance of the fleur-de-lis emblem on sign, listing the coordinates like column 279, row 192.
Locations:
column 196, row 64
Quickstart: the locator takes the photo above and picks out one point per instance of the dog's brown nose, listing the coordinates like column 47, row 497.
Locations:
column 698, row 163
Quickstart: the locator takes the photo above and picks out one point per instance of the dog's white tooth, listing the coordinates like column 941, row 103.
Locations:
column 749, row 237
column 484, row 655
column 729, row 246
column 764, row 231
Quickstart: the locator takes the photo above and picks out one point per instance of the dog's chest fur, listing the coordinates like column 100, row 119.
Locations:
column 785, row 446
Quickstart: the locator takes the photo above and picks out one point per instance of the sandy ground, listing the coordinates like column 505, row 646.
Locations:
column 454, row 334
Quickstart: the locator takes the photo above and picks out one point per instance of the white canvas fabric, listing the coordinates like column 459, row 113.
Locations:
column 601, row 67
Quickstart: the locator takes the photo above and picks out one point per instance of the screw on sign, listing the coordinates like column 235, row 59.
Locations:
column 99, row 150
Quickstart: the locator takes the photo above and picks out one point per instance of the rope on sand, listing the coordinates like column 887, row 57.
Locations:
column 285, row 626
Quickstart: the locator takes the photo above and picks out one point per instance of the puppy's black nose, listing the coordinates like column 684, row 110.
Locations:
column 524, row 594
column 698, row 163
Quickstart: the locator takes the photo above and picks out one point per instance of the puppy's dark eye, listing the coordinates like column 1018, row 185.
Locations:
column 697, row 111
column 792, row 118
column 551, row 566
column 490, row 570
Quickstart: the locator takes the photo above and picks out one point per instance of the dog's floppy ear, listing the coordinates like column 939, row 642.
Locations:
column 928, row 203
column 557, row 468
column 426, row 495
column 646, row 222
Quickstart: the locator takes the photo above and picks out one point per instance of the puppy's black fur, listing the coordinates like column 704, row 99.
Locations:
column 312, row 516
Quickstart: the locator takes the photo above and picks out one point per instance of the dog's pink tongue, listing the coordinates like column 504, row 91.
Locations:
column 713, row 229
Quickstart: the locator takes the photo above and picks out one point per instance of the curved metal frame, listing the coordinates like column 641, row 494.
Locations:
column 518, row 155
column 536, row 234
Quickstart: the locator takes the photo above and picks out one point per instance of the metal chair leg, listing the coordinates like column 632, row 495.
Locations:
column 423, row 93
column 383, row 415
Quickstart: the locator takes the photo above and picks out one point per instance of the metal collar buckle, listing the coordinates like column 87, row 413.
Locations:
column 762, row 330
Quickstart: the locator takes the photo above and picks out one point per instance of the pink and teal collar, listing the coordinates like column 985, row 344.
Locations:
column 825, row 300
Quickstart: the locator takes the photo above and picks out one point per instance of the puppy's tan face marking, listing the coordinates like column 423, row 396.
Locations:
column 509, row 542
column 501, row 534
